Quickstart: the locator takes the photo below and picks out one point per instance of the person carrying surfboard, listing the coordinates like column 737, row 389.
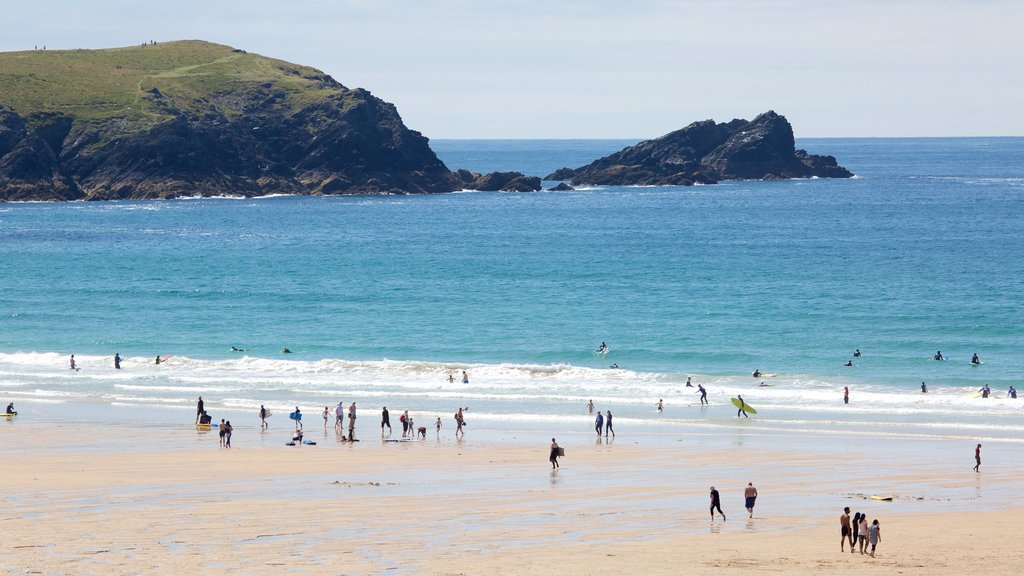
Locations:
column 742, row 407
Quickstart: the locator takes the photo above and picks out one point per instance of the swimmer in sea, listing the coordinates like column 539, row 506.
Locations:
column 285, row 350
column 975, row 359
column 924, row 388
column 848, row 363
column 856, row 353
column 602, row 348
column 1012, row 392
column 757, row 373
column 689, row 384
column 938, row 355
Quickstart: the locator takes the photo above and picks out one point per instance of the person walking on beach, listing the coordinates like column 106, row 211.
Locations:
column 437, row 425
column 199, row 409
column 228, row 429
column 327, row 415
column 846, row 394
column 716, row 503
column 404, row 419
column 73, row 365
column 263, row 416
column 742, row 408
column 750, row 495
column 351, row 421
column 385, row 420
column 339, row 416
column 703, row 394
column 590, row 407
column 221, row 431
column 977, row 458
column 117, row 361
column 297, row 416
column 459, row 421
column 844, row 530
column 553, row 457
column 874, row 535
column 599, row 424
column 862, row 532
column 608, row 424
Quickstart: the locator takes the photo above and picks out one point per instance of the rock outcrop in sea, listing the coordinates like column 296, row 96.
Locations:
column 192, row 118
column 705, row 152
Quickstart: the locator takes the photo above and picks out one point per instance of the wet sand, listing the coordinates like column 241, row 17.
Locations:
column 86, row 498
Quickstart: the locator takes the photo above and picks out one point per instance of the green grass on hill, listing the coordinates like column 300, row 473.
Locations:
column 94, row 85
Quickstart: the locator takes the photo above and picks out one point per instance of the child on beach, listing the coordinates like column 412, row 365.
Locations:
column 874, row 535
column 862, row 532
column 327, row 414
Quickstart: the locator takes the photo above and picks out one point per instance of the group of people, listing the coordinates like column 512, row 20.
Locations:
column 858, row 532
column 749, row 498
column 603, row 423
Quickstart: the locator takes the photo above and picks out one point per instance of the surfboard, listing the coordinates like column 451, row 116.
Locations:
column 974, row 395
column 746, row 407
column 12, row 415
column 882, row 498
column 309, row 443
column 269, row 414
column 164, row 359
column 289, row 443
column 203, row 426
column 295, row 416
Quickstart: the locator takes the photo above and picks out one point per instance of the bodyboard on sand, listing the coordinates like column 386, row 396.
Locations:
column 746, row 407
column 882, row 498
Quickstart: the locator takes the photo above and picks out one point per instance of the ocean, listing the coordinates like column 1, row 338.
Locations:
column 381, row 298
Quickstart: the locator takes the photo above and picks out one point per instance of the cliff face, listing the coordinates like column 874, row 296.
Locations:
column 193, row 118
column 705, row 152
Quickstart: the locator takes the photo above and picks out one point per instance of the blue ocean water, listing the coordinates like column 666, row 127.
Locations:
column 384, row 296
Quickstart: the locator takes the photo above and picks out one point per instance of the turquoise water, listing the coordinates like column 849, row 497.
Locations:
column 382, row 297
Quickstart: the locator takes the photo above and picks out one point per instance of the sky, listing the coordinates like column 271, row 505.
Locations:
column 608, row 69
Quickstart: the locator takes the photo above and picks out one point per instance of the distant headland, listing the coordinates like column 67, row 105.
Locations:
column 193, row 118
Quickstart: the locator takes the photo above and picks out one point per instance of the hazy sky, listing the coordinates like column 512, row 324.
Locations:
column 626, row 68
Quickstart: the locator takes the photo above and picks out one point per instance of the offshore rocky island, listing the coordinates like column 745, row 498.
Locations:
column 193, row 118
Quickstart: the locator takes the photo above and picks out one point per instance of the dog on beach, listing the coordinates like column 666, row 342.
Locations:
column 422, row 432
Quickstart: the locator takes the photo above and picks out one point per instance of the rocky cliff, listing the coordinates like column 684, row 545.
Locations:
column 706, row 152
column 192, row 118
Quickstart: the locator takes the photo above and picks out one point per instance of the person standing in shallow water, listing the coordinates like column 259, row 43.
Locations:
column 608, row 424
column 977, row 458
column 553, row 456
column 590, row 407
column 385, row 420
column 599, row 423
column 703, row 394
column 117, row 361
column 846, row 394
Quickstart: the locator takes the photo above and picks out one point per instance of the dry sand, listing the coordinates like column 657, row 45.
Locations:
column 77, row 503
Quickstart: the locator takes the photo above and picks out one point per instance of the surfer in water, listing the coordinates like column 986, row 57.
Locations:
column 1012, row 392
column 938, row 355
column 924, row 388
column 117, row 361
column 703, row 394
column 975, row 360
column 602, row 348
column 846, row 394
column 285, row 350
column 742, row 408
column 848, row 363
column 985, row 391
column 689, row 383
column 757, row 373
column 158, row 360
column 73, row 365
column 856, row 353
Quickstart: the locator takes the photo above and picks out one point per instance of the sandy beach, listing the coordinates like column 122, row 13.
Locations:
column 84, row 498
